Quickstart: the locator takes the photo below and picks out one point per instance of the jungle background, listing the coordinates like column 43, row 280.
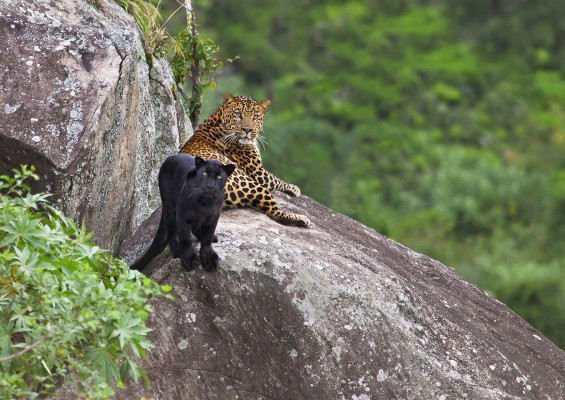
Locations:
column 440, row 124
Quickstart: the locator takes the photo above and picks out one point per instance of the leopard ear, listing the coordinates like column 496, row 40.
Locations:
column 229, row 169
column 199, row 162
column 265, row 104
column 228, row 97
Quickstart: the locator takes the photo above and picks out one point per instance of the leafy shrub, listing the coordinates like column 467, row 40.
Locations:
column 67, row 308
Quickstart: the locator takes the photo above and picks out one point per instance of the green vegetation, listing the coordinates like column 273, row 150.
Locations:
column 67, row 308
column 148, row 17
column 440, row 124
column 192, row 56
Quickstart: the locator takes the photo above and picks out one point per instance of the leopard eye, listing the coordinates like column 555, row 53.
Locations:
column 204, row 173
column 238, row 115
column 256, row 116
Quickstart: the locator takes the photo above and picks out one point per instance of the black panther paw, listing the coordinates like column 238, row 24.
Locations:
column 189, row 260
column 209, row 260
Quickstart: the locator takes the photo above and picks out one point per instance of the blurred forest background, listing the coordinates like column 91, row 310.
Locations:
column 440, row 124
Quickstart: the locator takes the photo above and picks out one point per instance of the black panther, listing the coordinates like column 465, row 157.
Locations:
column 192, row 194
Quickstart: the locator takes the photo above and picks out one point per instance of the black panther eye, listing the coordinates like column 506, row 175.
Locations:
column 219, row 177
column 204, row 173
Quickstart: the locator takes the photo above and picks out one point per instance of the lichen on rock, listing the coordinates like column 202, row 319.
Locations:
column 79, row 102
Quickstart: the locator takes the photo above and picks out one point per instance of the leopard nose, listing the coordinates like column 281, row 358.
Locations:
column 246, row 130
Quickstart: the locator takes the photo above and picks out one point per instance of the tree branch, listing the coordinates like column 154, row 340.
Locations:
column 19, row 353
column 182, row 92
column 196, row 70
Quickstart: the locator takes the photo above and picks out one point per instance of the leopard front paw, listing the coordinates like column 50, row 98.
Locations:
column 292, row 190
column 294, row 220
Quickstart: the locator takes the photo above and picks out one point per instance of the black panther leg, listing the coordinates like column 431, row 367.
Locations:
column 196, row 232
column 187, row 253
column 172, row 234
column 208, row 257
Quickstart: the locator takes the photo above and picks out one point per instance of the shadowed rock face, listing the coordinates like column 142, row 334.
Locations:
column 78, row 101
column 336, row 311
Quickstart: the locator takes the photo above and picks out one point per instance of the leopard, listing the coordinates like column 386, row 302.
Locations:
column 230, row 135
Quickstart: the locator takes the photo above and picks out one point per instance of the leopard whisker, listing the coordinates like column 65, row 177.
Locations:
column 230, row 138
column 262, row 141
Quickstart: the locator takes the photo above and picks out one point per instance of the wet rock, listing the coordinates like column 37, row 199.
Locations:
column 78, row 101
column 336, row 311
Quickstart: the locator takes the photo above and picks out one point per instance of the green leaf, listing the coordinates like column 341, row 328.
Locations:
column 132, row 369
column 46, row 367
column 6, row 331
column 25, row 261
column 26, row 229
column 124, row 370
column 128, row 330
column 145, row 378
column 104, row 362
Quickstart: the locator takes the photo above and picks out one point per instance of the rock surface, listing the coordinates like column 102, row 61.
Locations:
column 336, row 311
column 78, row 101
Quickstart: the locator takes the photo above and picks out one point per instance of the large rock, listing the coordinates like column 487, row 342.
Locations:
column 336, row 311
column 78, row 101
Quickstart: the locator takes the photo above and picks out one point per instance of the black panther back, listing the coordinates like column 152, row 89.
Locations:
column 192, row 194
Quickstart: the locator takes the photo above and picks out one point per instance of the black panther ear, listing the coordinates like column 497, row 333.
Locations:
column 199, row 162
column 229, row 169
column 191, row 174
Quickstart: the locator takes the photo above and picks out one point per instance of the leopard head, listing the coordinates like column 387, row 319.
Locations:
column 242, row 119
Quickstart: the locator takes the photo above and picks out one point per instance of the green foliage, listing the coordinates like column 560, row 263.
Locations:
column 148, row 17
column 67, row 308
column 189, row 50
column 192, row 56
column 440, row 124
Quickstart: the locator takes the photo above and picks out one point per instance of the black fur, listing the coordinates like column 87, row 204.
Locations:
column 192, row 193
